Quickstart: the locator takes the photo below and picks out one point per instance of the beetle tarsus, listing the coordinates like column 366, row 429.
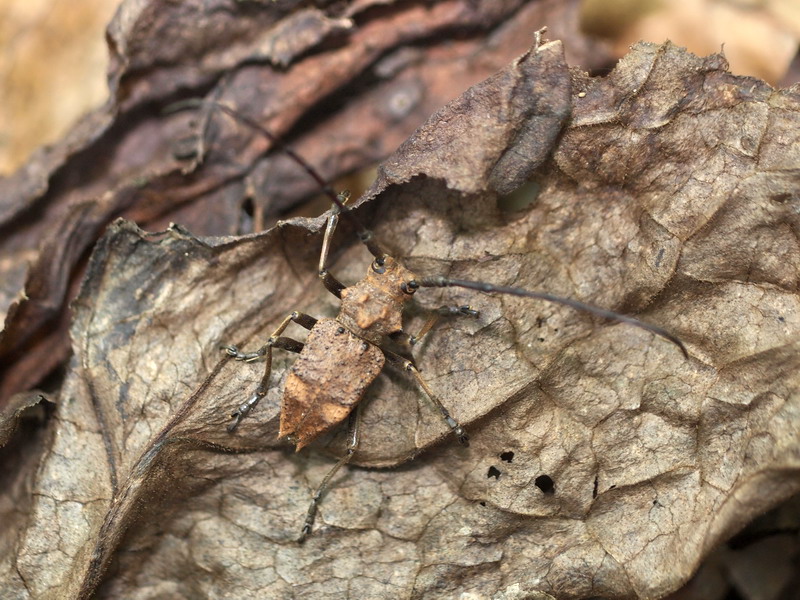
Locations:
column 304, row 533
column 457, row 311
column 244, row 409
column 463, row 438
column 236, row 354
column 469, row 311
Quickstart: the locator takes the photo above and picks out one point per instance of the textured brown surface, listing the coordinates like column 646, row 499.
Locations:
column 326, row 381
column 373, row 307
column 53, row 60
column 667, row 189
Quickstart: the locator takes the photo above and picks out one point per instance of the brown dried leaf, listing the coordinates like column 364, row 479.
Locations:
column 602, row 462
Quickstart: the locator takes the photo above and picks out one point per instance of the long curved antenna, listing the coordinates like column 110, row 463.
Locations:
column 502, row 289
column 364, row 234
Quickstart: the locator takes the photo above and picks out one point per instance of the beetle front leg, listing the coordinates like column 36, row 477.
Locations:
column 408, row 340
column 442, row 311
column 274, row 341
column 333, row 285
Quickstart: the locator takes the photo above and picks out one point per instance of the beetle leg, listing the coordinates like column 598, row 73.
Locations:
column 275, row 341
column 333, row 285
column 442, row 311
column 353, row 426
column 407, row 366
column 407, row 340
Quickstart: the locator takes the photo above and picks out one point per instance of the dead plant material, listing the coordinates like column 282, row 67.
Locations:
column 601, row 461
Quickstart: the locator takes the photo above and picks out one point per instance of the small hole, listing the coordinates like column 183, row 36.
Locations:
column 546, row 484
column 482, row 503
column 493, row 472
column 507, row 456
column 594, row 491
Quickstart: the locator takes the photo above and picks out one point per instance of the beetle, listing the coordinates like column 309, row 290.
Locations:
column 343, row 355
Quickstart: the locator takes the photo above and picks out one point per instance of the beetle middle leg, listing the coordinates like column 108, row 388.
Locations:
column 274, row 341
column 353, row 425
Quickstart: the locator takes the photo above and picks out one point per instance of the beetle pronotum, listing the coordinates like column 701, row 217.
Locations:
column 342, row 356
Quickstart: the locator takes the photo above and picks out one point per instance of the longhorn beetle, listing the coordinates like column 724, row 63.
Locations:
column 342, row 356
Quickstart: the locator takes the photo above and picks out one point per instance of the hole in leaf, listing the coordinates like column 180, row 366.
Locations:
column 493, row 472
column 546, row 484
column 507, row 456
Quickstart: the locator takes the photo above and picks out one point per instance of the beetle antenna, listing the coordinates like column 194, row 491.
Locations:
column 443, row 282
column 364, row 235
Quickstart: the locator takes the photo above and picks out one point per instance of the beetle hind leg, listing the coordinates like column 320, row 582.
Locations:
column 408, row 367
column 354, row 424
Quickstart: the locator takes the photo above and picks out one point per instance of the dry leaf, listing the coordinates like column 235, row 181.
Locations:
column 602, row 462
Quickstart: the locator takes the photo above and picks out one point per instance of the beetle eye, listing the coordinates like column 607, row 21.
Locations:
column 378, row 265
column 409, row 287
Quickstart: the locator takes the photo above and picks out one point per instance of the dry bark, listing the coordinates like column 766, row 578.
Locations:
column 602, row 462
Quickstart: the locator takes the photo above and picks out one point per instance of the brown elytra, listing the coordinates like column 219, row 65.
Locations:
column 326, row 381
